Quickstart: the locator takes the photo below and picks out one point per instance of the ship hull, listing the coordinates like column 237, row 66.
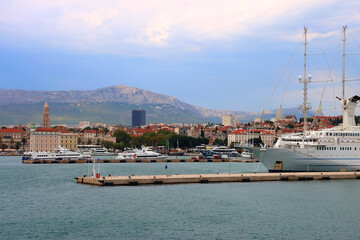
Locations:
column 303, row 160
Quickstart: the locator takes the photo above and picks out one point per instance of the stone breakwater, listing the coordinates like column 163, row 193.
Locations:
column 213, row 178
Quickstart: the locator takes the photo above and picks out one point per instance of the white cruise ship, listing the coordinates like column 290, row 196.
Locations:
column 334, row 149
column 58, row 154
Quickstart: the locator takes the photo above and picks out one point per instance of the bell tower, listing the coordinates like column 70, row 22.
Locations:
column 46, row 116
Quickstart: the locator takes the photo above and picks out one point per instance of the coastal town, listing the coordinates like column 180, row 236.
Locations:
column 175, row 137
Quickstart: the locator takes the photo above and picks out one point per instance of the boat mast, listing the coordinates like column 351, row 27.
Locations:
column 305, row 104
column 343, row 73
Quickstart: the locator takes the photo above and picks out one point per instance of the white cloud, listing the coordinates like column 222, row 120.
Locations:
column 90, row 24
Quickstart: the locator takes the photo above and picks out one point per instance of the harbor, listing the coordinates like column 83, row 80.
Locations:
column 213, row 178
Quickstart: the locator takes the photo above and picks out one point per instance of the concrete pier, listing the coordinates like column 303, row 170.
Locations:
column 31, row 161
column 214, row 178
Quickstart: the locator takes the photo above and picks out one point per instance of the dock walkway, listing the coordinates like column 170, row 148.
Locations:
column 214, row 178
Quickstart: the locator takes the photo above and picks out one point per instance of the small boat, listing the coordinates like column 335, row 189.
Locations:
column 143, row 153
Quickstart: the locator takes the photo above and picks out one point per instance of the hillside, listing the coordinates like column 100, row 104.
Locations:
column 109, row 105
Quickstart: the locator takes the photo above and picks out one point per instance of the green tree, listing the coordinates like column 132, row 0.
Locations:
column 89, row 141
column 119, row 145
column 107, row 144
column 23, row 141
column 98, row 141
column 122, row 136
column 87, row 128
column 290, row 125
column 17, row 146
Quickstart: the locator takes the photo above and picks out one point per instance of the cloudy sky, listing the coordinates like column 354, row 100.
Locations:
column 226, row 54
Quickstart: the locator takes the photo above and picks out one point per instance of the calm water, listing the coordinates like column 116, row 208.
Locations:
column 44, row 202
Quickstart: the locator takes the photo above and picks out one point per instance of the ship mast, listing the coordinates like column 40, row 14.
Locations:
column 344, row 56
column 305, row 81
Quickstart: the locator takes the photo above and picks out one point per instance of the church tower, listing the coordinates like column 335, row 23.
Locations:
column 46, row 116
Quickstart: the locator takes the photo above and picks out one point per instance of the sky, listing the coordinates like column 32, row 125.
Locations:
column 226, row 55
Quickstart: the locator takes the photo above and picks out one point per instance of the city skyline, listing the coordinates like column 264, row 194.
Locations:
column 207, row 53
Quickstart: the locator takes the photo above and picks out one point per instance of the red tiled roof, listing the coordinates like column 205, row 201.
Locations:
column 47, row 130
column 139, row 130
column 11, row 130
column 89, row 131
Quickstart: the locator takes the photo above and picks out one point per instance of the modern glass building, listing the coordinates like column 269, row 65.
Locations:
column 138, row 117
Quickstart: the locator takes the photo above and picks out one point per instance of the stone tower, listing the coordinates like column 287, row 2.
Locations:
column 46, row 116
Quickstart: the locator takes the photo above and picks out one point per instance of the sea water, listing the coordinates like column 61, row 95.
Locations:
column 45, row 202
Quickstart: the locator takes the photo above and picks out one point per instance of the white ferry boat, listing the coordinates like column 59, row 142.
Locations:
column 334, row 149
column 100, row 152
column 58, row 154
column 143, row 153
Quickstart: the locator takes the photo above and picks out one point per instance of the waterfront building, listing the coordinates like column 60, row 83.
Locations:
column 89, row 136
column 138, row 117
column 69, row 140
column 10, row 136
column 243, row 136
column 44, row 139
column 46, row 116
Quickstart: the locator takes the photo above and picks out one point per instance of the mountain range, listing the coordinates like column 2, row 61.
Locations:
column 109, row 105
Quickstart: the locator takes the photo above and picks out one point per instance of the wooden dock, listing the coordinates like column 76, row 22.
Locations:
column 174, row 160
column 214, row 178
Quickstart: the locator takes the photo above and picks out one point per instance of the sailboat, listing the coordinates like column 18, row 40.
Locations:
column 333, row 149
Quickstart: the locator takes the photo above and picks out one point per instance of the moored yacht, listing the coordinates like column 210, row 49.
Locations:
column 100, row 152
column 143, row 153
column 58, row 154
column 220, row 151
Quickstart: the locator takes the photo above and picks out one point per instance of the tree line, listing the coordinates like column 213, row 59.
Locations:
column 161, row 138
